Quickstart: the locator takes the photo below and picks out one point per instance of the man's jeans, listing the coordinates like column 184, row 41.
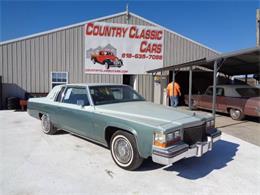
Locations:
column 174, row 101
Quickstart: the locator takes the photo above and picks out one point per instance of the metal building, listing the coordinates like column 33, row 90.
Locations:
column 29, row 64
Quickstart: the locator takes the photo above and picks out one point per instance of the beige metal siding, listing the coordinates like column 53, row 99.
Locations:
column 145, row 86
column 33, row 67
column 179, row 50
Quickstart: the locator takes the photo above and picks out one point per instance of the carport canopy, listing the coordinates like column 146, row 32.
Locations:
column 241, row 62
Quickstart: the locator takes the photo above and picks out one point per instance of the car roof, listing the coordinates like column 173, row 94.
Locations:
column 93, row 84
column 234, row 86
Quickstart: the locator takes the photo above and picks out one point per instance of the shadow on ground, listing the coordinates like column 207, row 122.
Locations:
column 195, row 168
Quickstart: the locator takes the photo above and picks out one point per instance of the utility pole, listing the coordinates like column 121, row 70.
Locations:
column 127, row 12
column 258, row 27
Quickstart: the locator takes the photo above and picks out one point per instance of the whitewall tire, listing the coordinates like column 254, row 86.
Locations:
column 47, row 126
column 124, row 151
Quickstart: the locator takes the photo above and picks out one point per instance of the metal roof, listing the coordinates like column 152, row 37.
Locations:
column 245, row 61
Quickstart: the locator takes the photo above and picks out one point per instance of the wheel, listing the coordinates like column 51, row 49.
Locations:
column 193, row 103
column 124, row 151
column 120, row 64
column 106, row 64
column 47, row 126
column 236, row 114
column 93, row 60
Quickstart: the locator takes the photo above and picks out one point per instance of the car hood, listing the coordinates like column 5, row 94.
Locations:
column 151, row 114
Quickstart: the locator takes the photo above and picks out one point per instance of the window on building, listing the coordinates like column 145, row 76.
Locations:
column 59, row 78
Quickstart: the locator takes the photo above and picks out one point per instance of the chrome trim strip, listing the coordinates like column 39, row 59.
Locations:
column 84, row 137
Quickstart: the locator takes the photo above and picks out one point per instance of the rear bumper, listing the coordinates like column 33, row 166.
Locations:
column 182, row 150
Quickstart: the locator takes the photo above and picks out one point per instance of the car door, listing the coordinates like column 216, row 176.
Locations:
column 220, row 99
column 75, row 111
column 205, row 100
column 56, row 115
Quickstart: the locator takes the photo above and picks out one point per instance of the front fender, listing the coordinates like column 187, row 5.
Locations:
column 143, row 137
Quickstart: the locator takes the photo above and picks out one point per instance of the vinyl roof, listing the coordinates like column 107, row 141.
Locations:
column 241, row 62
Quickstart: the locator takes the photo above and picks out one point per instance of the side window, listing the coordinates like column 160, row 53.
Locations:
column 220, row 92
column 60, row 95
column 209, row 91
column 117, row 93
column 76, row 95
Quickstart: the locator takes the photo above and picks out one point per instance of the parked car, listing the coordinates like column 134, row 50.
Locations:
column 118, row 117
column 237, row 100
column 106, row 58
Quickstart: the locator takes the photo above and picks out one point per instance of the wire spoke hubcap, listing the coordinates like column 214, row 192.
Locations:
column 235, row 113
column 123, row 150
column 45, row 123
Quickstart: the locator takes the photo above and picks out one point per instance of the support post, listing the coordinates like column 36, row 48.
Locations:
column 161, row 96
column 190, row 87
column 173, row 75
column 214, row 89
column 258, row 27
column 173, row 78
column 152, row 88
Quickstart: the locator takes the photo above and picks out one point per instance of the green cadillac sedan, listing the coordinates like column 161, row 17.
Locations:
column 119, row 118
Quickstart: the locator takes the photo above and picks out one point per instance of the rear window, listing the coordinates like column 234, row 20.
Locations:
column 209, row 91
column 248, row 92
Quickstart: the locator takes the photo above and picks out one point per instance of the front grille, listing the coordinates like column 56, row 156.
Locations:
column 191, row 135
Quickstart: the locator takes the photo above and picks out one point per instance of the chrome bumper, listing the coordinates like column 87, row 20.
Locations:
column 182, row 150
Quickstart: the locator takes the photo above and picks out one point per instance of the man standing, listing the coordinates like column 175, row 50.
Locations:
column 174, row 91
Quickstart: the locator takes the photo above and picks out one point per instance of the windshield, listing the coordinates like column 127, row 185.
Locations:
column 113, row 94
column 248, row 92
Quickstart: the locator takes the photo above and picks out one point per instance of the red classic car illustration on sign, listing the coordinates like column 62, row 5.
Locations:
column 106, row 58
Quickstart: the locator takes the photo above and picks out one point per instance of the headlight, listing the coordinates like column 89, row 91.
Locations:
column 210, row 124
column 159, row 137
column 164, row 140
column 172, row 136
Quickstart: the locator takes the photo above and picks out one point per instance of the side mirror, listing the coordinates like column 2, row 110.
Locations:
column 81, row 103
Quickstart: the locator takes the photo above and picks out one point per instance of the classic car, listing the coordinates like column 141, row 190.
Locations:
column 117, row 117
column 237, row 100
column 106, row 58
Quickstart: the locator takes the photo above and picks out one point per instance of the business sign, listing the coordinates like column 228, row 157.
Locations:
column 122, row 49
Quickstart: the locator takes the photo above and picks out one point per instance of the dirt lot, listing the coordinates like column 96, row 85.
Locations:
column 34, row 163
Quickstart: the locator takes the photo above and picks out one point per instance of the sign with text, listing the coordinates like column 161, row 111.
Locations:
column 122, row 48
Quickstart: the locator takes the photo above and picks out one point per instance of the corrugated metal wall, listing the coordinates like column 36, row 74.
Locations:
column 179, row 50
column 27, row 63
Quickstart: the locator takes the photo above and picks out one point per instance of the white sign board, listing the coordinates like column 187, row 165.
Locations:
column 122, row 48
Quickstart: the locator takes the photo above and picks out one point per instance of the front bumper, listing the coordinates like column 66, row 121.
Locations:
column 182, row 150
